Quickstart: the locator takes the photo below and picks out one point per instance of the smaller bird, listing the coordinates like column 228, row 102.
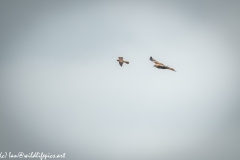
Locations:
column 121, row 61
column 160, row 65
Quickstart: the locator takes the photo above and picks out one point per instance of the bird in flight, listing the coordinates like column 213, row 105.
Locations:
column 160, row 65
column 121, row 61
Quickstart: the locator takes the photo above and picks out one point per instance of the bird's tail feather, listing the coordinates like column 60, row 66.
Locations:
column 170, row 68
column 126, row 62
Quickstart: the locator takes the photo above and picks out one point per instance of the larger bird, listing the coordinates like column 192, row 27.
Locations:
column 160, row 65
column 121, row 61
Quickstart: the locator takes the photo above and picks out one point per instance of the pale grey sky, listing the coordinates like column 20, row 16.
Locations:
column 62, row 89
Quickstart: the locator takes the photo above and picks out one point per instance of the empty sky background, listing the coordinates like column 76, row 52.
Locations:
column 62, row 90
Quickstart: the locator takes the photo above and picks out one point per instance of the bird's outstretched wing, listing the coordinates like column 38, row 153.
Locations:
column 153, row 60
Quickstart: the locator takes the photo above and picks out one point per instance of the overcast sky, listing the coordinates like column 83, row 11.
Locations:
column 62, row 90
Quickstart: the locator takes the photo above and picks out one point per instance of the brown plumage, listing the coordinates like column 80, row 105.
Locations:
column 160, row 65
column 121, row 61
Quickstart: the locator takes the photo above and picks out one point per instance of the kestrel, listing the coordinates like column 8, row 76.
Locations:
column 121, row 61
column 160, row 65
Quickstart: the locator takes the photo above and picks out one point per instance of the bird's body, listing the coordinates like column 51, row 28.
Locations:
column 121, row 61
column 160, row 65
